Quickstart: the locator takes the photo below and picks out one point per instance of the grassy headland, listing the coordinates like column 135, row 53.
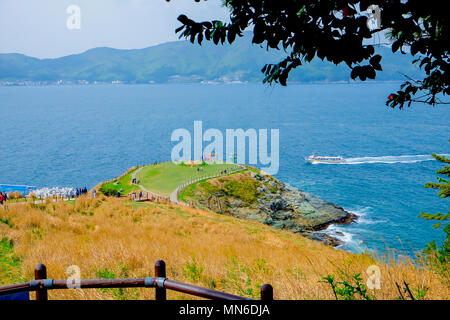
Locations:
column 163, row 178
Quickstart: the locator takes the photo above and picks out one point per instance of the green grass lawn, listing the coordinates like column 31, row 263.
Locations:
column 123, row 184
column 164, row 178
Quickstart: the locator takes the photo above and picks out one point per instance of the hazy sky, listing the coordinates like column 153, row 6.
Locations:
column 38, row 28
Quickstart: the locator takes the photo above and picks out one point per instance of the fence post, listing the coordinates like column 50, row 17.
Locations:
column 266, row 292
column 40, row 272
column 160, row 271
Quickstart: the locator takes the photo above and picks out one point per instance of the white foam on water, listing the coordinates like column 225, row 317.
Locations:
column 362, row 213
column 386, row 159
column 338, row 233
column 351, row 240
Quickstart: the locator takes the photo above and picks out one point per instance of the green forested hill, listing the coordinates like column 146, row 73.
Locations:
column 182, row 61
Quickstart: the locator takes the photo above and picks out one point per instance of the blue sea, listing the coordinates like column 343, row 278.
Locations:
column 12, row 188
column 81, row 135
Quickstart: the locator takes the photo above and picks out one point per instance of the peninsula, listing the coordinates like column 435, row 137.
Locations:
column 229, row 189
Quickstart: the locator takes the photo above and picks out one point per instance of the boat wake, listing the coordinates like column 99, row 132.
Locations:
column 387, row 159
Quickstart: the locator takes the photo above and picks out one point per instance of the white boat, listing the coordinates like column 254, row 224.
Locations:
column 324, row 159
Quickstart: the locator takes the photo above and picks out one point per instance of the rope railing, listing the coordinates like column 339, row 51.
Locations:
column 159, row 282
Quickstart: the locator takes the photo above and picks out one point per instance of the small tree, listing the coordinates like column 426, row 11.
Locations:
column 439, row 257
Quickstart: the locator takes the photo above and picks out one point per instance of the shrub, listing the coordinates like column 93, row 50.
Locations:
column 193, row 271
column 108, row 190
column 15, row 195
column 345, row 290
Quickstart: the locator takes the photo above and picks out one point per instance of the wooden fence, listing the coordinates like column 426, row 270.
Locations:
column 159, row 282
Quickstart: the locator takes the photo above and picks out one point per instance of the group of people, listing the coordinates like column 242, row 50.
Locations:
column 3, row 197
column 80, row 191
column 133, row 195
column 73, row 193
column 134, row 181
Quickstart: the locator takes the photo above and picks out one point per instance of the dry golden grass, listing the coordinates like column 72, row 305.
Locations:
column 109, row 236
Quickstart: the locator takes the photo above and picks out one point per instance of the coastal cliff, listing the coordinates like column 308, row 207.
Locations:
column 252, row 195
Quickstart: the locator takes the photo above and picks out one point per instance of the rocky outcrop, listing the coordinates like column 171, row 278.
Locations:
column 267, row 200
column 315, row 212
column 283, row 206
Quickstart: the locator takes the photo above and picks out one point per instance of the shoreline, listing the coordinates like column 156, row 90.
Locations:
column 80, row 83
column 320, row 233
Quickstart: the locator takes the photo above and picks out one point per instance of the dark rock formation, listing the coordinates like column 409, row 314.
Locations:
column 293, row 209
column 281, row 206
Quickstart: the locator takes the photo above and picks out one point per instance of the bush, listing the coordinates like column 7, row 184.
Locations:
column 15, row 195
column 108, row 190
column 344, row 290
column 193, row 271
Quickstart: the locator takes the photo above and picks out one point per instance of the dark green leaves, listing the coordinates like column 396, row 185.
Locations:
column 231, row 36
column 363, row 72
column 355, row 72
column 375, row 62
column 184, row 20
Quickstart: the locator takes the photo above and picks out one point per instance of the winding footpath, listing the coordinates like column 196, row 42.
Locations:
column 154, row 194
column 174, row 195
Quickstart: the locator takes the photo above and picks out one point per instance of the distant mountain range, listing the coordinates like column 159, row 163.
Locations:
column 182, row 61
